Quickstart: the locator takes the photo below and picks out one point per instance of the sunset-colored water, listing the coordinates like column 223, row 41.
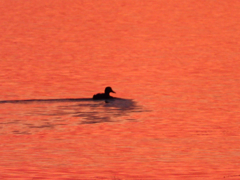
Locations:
column 175, row 64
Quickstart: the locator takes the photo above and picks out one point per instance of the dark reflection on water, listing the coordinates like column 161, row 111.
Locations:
column 96, row 111
column 38, row 114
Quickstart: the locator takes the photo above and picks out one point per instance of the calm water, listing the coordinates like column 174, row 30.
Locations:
column 174, row 64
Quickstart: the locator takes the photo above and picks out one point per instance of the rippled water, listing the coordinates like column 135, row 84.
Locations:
column 32, row 116
column 175, row 69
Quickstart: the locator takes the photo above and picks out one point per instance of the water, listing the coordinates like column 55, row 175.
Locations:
column 174, row 65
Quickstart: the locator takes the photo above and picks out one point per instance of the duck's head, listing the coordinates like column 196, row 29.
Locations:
column 108, row 90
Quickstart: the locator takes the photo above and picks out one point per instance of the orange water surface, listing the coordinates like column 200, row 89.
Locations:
column 175, row 64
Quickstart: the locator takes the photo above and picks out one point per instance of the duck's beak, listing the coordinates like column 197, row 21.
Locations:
column 113, row 91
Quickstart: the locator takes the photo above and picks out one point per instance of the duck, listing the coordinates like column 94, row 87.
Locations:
column 104, row 95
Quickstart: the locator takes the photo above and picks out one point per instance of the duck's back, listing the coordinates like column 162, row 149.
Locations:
column 101, row 96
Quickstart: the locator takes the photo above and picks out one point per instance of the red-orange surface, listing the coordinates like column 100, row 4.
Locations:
column 178, row 60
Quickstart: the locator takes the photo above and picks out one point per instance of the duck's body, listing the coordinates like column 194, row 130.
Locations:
column 101, row 96
column 104, row 95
